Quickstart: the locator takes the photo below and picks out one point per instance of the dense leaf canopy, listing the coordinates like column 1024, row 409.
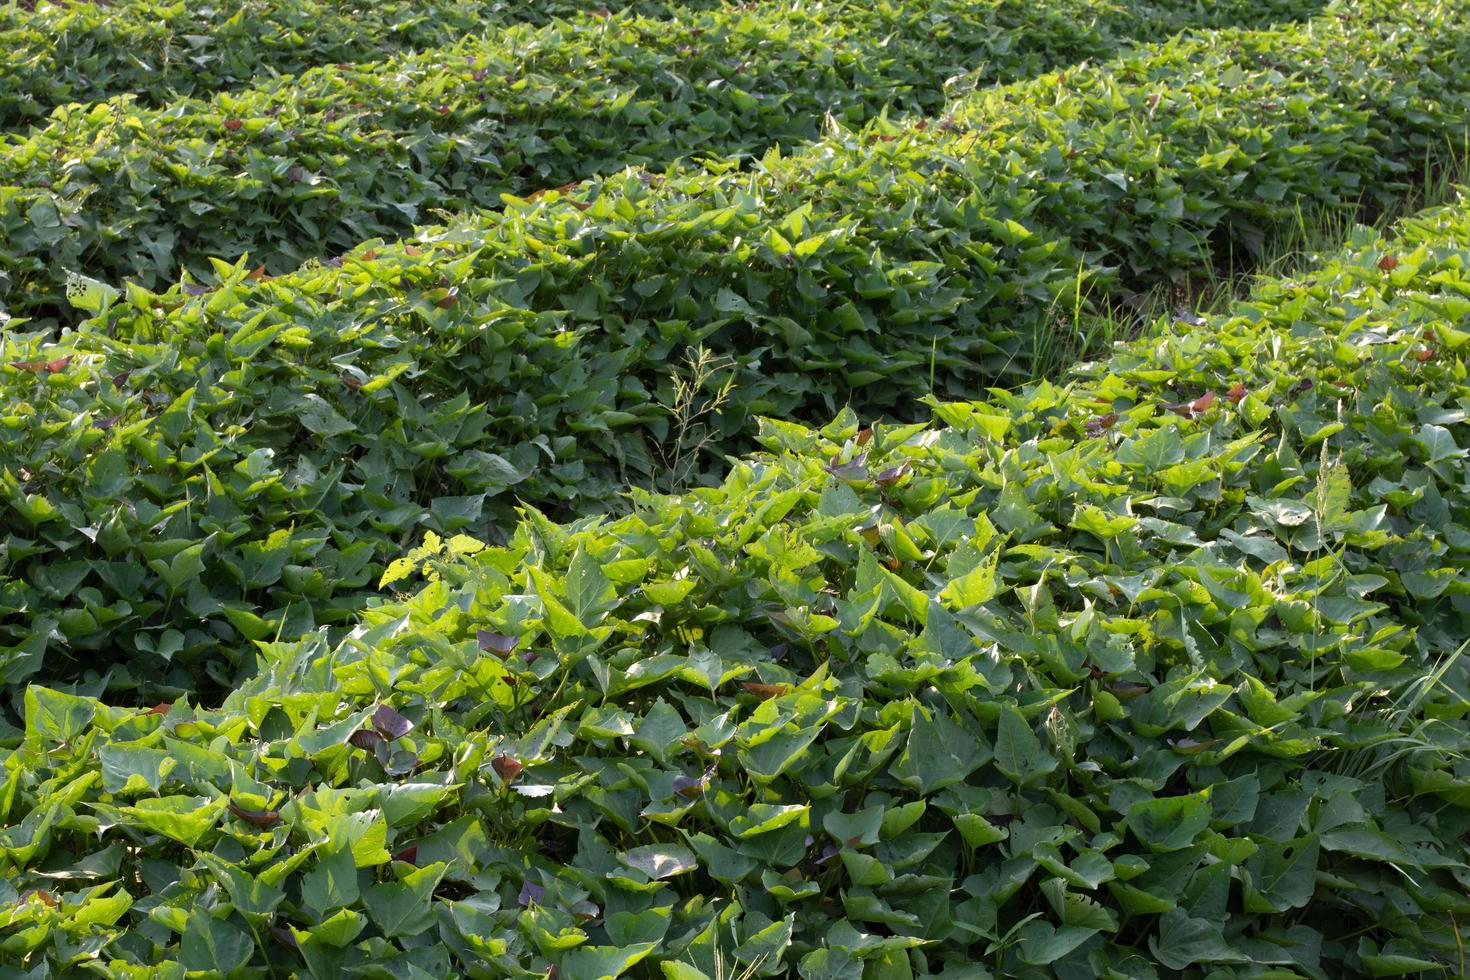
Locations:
column 1159, row 670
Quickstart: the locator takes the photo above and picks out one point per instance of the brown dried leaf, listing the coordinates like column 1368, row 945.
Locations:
column 765, row 691
column 260, row 818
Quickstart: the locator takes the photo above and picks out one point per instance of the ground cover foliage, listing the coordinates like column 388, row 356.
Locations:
column 80, row 51
column 311, row 165
column 1158, row 672
column 195, row 472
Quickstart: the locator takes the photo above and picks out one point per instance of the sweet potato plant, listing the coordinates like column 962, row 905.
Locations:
column 188, row 473
column 1156, row 672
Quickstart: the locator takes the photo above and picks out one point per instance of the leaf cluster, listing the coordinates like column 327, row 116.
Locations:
column 1158, row 672
column 205, row 468
column 62, row 51
column 308, row 166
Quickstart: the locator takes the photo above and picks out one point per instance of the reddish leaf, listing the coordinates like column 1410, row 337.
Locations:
column 161, row 708
column 256, row 274
column 506, row 768
column 1099, row 424
column 1388, row 263
column 233, row 125
column 1424, row 354
column 351, row 382
column 107, row 423
column 765, row 691
column 865, row 436
column 42, row 367
column 450, row 298
column 284, row 936
column 1190, row 409
column 195, row 289
column 1305, row 384
column 390, row 724
column 1236, row 394
column 498, row 642
column 560, row 189
column 409, row 855
column 42, row 894
column 261, row 818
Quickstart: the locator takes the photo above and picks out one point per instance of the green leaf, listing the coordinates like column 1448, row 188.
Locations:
column 1018, row 752
column 54, row 716
column 1183, row 941
column 1042, row 943
column 975, row 587
column 660, row 861
column 333, row 883
column 405, row 907
column 604, row 962
column 1171, row 823
column 939, row 753
column 214, row 945
column 1281, row 876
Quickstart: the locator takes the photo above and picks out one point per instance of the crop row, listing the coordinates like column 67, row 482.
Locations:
column 308, row 166
column 191, row 469
column 1157, row 670
column 80, row 51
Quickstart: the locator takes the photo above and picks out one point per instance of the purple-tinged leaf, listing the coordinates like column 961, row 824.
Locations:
column 366, row 738
column 892, row 475
column 497, row 642
column 854, row 471
column 531, row 894
column 390, row 724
